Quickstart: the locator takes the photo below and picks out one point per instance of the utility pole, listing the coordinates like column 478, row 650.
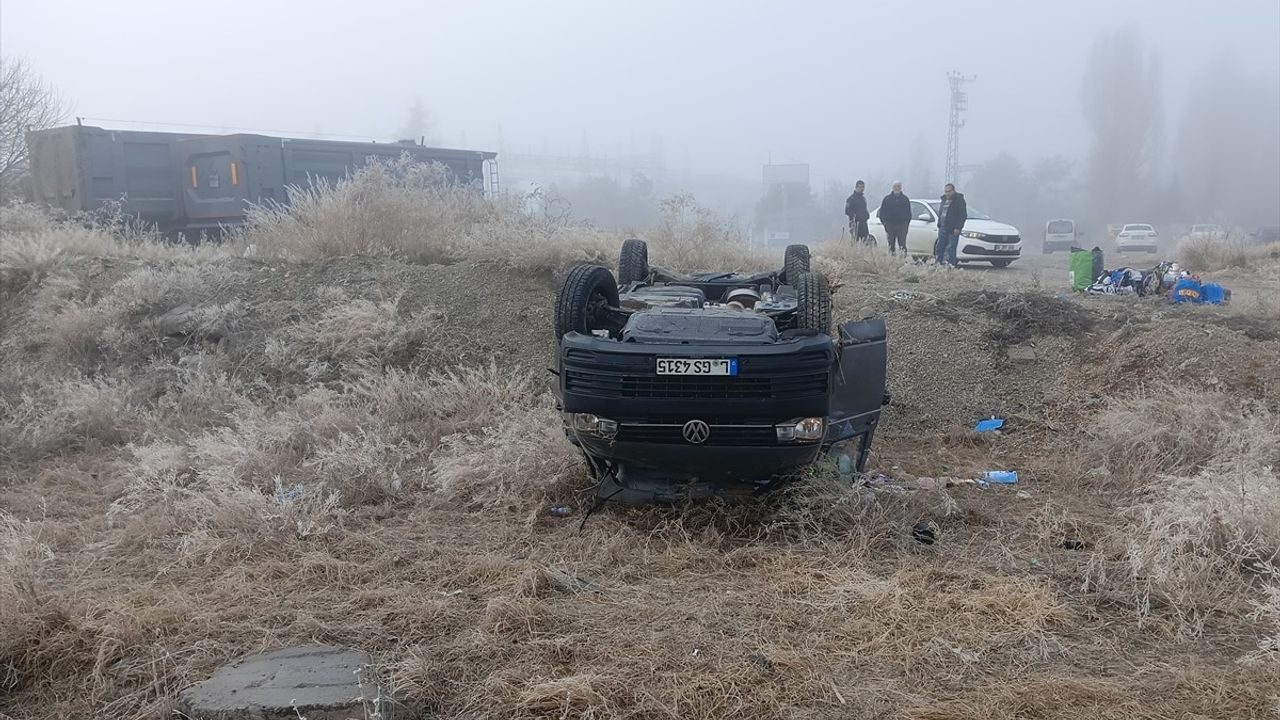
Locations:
column 959, row 103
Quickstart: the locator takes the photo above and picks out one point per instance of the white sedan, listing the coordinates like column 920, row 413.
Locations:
column 1136, row 237
column 982, row 240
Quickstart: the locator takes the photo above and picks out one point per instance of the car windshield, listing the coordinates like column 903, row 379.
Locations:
column 974, row 213
column 1061, row 227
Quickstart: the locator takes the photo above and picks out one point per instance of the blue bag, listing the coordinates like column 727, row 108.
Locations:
column 1187, row 290
column 1213, row 294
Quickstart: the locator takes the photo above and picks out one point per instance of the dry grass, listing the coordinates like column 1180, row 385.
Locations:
column 259, row 470
column 1203, row 524
column 1203, row 253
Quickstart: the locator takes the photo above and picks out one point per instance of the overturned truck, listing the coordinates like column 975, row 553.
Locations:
column 677, row 385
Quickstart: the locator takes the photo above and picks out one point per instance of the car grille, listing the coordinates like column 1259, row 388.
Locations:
column 1003, row 238
column 618, row 375
column 721, row 435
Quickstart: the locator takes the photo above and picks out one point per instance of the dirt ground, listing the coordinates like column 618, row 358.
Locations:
column 815, row 602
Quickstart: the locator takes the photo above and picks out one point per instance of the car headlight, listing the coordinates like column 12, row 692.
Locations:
column 591, row 424
column 973, row 234
column 803, row 430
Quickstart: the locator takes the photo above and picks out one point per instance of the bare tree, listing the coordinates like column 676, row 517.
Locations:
column 26, row 103
column 1122, row 105
column 1225, row 161
column 419, row 125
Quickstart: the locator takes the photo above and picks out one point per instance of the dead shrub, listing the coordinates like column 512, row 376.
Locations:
column 522, row 458
column 358, row 330
column 1202, row 529
column 689, row 237
column 1204, row 253
column 22, row 595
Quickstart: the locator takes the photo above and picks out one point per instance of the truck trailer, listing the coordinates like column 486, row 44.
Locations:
column 185, row 182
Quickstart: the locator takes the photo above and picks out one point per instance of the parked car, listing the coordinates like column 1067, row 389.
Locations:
column 680, row 385
column 1136, row 237
column 1059, row 234
column 983, row 239
column 1207, row 230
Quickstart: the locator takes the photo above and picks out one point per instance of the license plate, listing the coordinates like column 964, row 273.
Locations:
column 681, row 366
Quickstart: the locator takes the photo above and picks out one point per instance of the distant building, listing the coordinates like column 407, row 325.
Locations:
column 191, row 182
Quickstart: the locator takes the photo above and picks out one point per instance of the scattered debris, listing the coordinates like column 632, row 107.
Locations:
column 1000, row 477
column 924, row 532
column 762, row 661
column 1023, row 495
column 1073, row 544
column 970, row 657
column 561, row 511
column 991, row 424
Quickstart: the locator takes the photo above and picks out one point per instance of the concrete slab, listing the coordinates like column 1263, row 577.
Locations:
column 1021, row 353
column 322, row 682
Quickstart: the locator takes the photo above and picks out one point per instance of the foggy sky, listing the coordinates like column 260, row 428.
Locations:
column 726, row 84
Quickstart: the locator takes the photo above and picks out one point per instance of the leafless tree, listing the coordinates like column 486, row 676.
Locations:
column 1122, row 105
column 26, row 103
column 419, row 125
column 1225, row 160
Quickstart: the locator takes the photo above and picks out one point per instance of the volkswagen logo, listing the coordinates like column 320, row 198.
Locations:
column 696, row 432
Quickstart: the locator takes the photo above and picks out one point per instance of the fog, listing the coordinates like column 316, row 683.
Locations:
column 709, row 92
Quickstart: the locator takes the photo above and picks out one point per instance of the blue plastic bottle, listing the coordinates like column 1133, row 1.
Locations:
column 1001, row 477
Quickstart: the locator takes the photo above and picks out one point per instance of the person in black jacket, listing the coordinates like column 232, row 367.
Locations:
column 895, row 215
column 856, row 208
column 951, row 216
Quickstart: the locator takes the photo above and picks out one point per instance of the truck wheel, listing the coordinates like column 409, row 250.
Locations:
column 813, row 310
column 795, row 262
column 633, row 262
column 586, row 291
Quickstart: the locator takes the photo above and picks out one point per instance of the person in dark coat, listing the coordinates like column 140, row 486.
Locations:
column 951, row 216
column 856, row 208
column 895, row 215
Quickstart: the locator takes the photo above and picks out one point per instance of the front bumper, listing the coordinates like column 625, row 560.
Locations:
column 707, row 462
column 979, row 249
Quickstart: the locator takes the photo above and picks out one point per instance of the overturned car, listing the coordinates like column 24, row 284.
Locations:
column 680, row 385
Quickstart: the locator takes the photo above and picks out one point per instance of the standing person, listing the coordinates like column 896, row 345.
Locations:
column 895, row 215
column 856, row 208
column 951, row 217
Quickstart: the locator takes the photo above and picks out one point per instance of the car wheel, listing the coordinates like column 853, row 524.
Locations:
column 813, row 309
column 633, row 262
column 1000, row 263
column 586, row 292
column 795, row 262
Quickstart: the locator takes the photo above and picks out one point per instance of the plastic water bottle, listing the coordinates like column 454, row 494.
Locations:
column 1001, row 477
column 560, row 511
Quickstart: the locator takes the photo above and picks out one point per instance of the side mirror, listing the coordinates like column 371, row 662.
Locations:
column 925, row 217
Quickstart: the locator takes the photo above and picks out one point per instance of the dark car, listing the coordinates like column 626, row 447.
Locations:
column 680, row 385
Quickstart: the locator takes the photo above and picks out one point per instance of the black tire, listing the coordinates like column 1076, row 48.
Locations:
column 1000, row 263
column 633, row 262
column 795, row 262
column 813, row 310
column 585, row 291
